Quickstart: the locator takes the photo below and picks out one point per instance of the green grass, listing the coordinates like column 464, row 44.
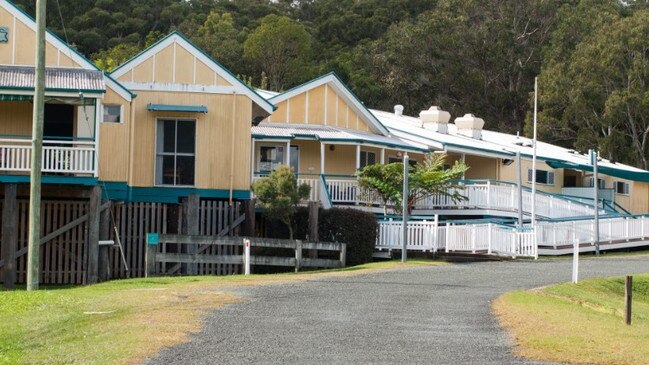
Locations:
column 123, row 321
column 582, row 323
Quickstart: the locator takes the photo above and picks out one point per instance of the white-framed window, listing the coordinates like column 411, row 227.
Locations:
column 113, row 113
column 175, row 152
column 622, row 187
column 601, row 183
column 542, row 177
column 295, row 159
column 367, row 158
column 269, row 157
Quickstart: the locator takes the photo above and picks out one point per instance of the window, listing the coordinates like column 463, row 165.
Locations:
column 600, row 182
column 112, row 113
column 175, row 152
column 622, row 187
column 270, row 157
column 295, row 159
column 367, row 158
column 542, row 176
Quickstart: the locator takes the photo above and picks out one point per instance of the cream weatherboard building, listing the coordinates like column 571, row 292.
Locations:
column 171, row 141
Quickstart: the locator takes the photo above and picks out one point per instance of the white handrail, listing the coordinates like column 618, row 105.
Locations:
column 55, row 159
column 28, row 141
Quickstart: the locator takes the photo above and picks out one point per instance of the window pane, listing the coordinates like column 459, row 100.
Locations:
column 186, row 136
column 169, row 136
column 168, row 174
column 295, row 159
column 112, row 113
column 185, row 170
column 371, row 158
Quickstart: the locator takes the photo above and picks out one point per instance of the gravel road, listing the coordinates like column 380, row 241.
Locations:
column 422, row 315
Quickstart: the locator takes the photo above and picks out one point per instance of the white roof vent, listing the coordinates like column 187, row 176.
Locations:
column 469, row 125
column 398, row 110
column 435, row 119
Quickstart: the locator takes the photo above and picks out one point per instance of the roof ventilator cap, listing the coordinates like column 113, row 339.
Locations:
column 470, row 126
column 398, row 110
column 435, row 119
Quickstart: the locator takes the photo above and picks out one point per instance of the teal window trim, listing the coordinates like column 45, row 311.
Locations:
column 176, row 108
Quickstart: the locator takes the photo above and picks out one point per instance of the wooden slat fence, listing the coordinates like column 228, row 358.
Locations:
column 156, row 254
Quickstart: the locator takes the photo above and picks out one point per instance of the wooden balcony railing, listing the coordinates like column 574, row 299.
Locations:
column 67, row 157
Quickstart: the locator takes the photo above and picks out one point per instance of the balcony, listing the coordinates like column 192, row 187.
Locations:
column 60, row 157
column 490, row 197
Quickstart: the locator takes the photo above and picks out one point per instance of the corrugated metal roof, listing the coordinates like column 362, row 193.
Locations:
column 328, row 134
column 73, row 79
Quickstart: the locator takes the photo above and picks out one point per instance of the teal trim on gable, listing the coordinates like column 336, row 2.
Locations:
column 133, row 95
column 120, row 191
column 46, row 179
column 642, row 176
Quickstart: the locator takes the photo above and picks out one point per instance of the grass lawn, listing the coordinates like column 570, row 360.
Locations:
column 123, row 321
column 582, row 323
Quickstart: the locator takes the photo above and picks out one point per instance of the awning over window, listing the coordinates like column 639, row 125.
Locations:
column 176, row 108
column 639, row 175
column 8, row 97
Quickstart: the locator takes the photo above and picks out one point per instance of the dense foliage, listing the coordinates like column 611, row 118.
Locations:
column 279, row 194
column 354, row 227
column 478, row 56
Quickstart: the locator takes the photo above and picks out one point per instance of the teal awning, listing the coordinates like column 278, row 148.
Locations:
column 8, row 97
column 642, row 176
column 176, row 108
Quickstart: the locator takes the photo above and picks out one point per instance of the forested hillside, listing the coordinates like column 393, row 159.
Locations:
column 479, row 56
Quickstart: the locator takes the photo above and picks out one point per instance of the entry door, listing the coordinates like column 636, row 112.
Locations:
column 58, row 121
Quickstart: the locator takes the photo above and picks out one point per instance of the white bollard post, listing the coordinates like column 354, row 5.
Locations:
column 246, row 256
column 575, row 262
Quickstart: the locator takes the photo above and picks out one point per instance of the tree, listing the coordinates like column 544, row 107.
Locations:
column 281, row 48
column 218, row 37
column 426, row 178
column 279, row 194
column 598, row 95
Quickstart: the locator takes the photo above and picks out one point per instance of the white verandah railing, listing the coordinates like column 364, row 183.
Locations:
column 73, row 157
column 615, row 229
column 486, row 238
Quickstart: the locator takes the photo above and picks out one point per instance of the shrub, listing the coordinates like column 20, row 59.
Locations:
column 354, row 227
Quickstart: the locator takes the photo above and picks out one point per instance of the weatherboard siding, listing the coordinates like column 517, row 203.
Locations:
column 16, row 118
column 213, row 138
column 114, row 142
column 319, row 106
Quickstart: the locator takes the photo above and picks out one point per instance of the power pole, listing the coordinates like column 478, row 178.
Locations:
column 33, row 260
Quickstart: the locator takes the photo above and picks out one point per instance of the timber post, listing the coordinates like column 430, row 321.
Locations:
column 93, row 235
column 298, row 255
column 628, row 298
column 249, row 208
column 104, row 234
column 9, row 235
column 152, row 240
column 313, row 226
column 343, row 254
column 191, row 211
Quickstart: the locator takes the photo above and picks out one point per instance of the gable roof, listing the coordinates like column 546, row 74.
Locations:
column 342, row 90
column 214, row 65
column 60, row 44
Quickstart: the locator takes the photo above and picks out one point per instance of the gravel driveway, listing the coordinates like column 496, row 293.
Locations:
column 427, row 315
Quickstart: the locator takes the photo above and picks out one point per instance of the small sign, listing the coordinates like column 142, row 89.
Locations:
column 246, row 242
column 152, row 239
column 4, row 35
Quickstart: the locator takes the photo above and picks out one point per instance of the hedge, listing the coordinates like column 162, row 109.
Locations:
column 354, row 227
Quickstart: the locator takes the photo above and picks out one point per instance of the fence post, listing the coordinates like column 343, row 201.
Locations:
column 628, row 293
column 448, row 233
column 246, row 256
column 610, row 231
column 249, row 208
column 9, row 235
column 436, row 233
column 93, row 235
column 642, row 228
column 152, row 240
column 343, row 254
column 626, row 235
column 313, row 227
column 473, row 239
column 489, row 238
column 513, row 243
column 298, row 255
column 104, row 234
